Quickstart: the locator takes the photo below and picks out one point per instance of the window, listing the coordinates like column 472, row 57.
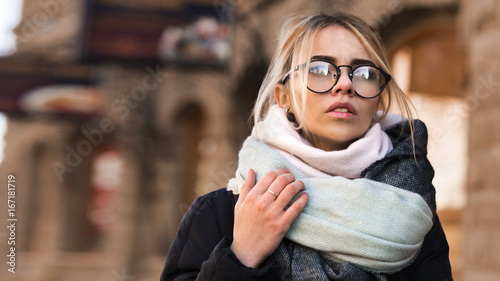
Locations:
column 10, row 15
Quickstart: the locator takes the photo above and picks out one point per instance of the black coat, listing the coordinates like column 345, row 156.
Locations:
column 201, row 249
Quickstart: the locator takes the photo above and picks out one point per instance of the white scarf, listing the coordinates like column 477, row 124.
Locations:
column 277, row 132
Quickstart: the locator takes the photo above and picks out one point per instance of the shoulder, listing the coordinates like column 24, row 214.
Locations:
column 209, row 219
column 406, row 135
column 401, row 136
column 220, row 197
column 220, row 203
column 214, row 209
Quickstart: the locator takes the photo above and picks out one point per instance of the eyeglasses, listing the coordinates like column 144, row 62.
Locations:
column 368, row 81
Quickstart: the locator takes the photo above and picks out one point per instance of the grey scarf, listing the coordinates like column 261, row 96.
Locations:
column 400, row 168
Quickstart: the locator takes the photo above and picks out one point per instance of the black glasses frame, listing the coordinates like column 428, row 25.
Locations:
column 387, row 77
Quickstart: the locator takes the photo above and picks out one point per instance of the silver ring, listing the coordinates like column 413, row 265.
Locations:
column 270, row 191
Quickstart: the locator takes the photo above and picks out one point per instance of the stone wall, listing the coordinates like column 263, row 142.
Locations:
column 50, row 30
column 150, row 202
column 481, row 34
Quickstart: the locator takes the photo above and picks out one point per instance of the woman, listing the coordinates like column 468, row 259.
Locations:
column 330, row 186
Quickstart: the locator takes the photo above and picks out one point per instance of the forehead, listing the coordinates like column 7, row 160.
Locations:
column 339, row 43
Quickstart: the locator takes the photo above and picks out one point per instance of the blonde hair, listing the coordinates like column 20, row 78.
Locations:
column 295, row 47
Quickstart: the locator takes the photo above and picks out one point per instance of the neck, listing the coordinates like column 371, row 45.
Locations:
column 327, row 145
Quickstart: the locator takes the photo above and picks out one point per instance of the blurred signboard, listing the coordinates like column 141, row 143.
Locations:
column 187, row 34
column 36, row 88
column 63, row 99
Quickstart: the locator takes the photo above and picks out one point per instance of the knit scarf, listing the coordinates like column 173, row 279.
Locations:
column 277, row 132
column 372, row 225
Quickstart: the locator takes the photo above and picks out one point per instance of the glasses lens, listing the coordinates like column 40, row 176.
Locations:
column 367, row 81
column 321, row 77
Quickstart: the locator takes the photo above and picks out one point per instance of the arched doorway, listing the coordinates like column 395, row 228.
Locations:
column 429, row 65
column 244, row 98
column 188, row 134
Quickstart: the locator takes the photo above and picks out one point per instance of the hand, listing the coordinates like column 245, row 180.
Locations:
column 260, row 218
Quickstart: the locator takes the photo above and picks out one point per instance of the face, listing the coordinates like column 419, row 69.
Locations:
column 327, row 124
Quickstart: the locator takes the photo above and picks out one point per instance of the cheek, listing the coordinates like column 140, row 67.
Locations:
column 372, row 106
column 315, row 107
column 297, row 105
column 369, row 109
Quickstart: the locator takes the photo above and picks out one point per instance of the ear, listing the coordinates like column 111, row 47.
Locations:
column 280, row 94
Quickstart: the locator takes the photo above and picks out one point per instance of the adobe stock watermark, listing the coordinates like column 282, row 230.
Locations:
column 220, row 178
column 485, row 88
column 394, row 7
column 121, row 276
column 122, row 107
column 39, row 20
column 383, row 17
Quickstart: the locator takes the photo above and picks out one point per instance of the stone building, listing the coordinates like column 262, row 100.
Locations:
column 112, row 132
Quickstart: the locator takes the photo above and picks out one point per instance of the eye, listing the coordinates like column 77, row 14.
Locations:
column 320, row 69
column 366, row 73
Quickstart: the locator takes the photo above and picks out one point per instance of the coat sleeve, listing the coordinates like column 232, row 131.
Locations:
column 201, row 249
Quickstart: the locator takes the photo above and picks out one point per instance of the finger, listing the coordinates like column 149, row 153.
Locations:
column 288, row 193
column 264, row 183
column 279, row 184
column 246, row 187
column 294, row 210
column 248, row 184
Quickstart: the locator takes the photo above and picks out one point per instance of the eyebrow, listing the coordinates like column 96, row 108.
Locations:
column 362, row 61
column 353, row 61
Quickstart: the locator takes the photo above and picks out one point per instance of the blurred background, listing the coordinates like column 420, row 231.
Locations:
column 115, row 115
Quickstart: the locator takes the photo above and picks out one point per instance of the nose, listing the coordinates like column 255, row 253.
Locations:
column 344, row 84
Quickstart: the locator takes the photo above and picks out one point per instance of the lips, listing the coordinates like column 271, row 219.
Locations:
column 342, row 107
